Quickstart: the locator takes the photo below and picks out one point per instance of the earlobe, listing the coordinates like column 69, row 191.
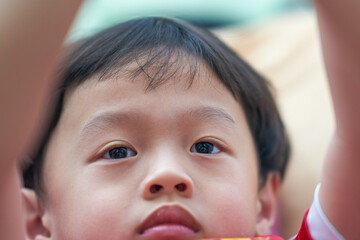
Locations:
column 34, row 226
column 266, row 204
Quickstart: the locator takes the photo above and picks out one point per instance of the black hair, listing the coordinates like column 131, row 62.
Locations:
column 160, row 47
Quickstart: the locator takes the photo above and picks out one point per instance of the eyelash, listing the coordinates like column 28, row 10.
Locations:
column 117, row 148
column 202, row 146
column 122, row 148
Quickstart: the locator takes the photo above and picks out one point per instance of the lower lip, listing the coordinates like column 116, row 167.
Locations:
column 169, row 231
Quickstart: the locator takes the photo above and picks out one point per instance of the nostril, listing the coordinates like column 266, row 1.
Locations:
column 155, row 188
column 181, row 187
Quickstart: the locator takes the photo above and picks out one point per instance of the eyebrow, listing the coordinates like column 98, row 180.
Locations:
column 208, row 112
column 102, row 120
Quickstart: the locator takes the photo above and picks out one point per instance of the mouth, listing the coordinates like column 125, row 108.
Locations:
column 169, row 221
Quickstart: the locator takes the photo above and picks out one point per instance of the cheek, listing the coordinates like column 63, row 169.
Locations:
column 97, row 214
column 92, row 204
column 231, row 213
column 229, row 203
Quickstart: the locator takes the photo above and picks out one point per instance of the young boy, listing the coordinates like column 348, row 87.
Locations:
column 148, row 143
column 161, row 132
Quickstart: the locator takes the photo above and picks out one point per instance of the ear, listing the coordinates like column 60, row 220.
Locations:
column 34, row 218
column 266, row 204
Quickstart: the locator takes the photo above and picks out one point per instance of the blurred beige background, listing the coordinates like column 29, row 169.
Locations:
column 287, row 51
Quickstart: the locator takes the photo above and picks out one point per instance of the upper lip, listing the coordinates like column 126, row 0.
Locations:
column 169, row 215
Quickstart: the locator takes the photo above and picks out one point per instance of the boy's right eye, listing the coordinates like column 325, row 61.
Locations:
column 119, row 152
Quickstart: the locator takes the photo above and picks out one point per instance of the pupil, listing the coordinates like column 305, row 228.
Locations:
column 118, row 152
column 204, row 147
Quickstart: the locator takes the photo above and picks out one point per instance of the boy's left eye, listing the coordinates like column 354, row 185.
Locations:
column 119, row 152
column 204, row 148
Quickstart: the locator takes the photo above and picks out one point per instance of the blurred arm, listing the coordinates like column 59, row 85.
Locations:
column 32, row 33
column 340, row 192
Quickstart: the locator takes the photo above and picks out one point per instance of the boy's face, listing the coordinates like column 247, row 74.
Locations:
column 170, row 163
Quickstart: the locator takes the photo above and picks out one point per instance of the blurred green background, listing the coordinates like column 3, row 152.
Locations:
column 98, row 14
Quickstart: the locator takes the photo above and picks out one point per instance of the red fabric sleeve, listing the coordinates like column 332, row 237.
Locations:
column 304, row 233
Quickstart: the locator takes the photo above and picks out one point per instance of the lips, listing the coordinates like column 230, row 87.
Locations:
column 168, row 221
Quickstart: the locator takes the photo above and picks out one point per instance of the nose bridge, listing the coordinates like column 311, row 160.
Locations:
column 167, row 175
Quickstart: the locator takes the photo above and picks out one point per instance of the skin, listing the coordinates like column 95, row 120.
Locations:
column 28, row 29
column 89, row 196
column 339, row 194
column 32, row 33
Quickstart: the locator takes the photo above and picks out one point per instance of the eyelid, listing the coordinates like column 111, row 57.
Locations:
column 112, row 145
column 217, row 143
column 214, row 148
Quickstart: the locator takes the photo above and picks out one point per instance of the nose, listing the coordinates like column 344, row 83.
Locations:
column 167, row 181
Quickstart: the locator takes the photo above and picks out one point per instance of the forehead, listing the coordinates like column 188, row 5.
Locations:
column 186, row 93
